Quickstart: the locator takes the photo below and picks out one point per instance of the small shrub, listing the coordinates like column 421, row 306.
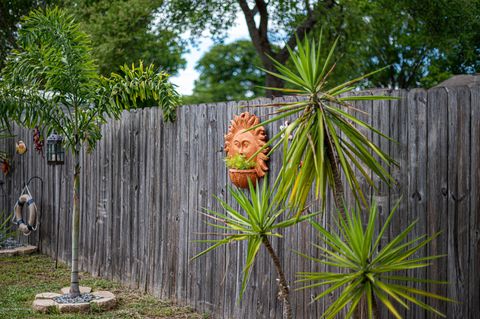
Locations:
column 239, row 162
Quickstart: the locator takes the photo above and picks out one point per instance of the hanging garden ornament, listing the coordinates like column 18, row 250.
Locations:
column 20, row 147
column 241, row 144
column 5, row 166
column 55, row 150
column 38, row 141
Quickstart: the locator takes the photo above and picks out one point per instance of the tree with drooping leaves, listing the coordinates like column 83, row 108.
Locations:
column 51, row 80
column 323, row 143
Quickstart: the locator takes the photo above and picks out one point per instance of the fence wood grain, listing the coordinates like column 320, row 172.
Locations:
column 143, row 186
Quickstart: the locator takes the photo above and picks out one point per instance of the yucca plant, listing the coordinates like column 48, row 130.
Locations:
column 326, row 138
column 260, row 219
column 367, row 271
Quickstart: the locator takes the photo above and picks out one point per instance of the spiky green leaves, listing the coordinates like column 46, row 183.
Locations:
column 52, row 81
column 260, row 216
column 326, row 134
column 366, row 270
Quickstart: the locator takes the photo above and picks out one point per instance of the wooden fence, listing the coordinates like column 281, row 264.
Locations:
column 146, row 181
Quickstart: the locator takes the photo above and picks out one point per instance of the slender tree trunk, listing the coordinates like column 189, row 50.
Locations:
column 282, row 283
column 376, row 312
column 74, row 281
column 338, row 193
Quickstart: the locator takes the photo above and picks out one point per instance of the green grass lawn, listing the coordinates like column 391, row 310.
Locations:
column 22, row 277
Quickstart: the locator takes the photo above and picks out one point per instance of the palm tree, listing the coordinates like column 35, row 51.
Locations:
column 52, row 81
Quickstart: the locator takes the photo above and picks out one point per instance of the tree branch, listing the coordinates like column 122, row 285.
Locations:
column 310, row 21
column 417, row 64
column 262, row 10
column 260, row 41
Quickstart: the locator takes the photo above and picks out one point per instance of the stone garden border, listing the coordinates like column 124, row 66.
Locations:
column 23, row 250
column 44, row 302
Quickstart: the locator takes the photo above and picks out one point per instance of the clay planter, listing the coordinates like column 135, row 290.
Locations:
column 240, row 177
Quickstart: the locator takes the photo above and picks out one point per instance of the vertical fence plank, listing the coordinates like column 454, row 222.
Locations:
column 157, row 210
column 416, row 173
column 458, row 198
column 474, row 212
column 437, row 183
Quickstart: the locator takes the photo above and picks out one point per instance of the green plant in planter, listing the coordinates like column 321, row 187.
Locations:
column 259, row 220
column 239, row 161
column 367, row 271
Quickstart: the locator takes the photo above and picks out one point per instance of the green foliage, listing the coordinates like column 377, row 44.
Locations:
column 425, row 42
column 262, row 216
column 326, row 134
column 142, row 87
column 52, row 80
column 366, row 269
column 418, row 39
column 122, row 31
column 11, row 14
column 228, row 72
column 239, row 161
column 6, row 231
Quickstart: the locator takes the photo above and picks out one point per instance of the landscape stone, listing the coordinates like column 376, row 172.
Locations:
column 24, row 250
column 73, row 307
column 44, row 305
column 107, row 301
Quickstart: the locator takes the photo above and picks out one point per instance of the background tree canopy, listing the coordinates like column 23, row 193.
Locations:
column 120, row 31
column 10, row 13
column 228, row 72
column 124, row 30
column 423, row 41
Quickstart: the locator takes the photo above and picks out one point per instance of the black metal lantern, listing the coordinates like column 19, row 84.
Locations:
column 55, row 150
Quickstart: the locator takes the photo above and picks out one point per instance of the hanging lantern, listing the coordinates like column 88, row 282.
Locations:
column 55, row 150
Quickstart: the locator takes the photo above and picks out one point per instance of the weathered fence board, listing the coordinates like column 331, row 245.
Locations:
column 144, row 185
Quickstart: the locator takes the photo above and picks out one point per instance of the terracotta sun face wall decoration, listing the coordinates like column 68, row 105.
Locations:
column 240, row 141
